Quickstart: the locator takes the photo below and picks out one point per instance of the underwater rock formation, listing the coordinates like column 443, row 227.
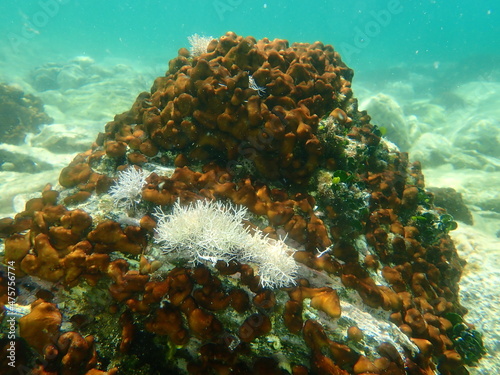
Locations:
column 275, row 128
column 453, row 202
column 70, row 75
column 19, row 114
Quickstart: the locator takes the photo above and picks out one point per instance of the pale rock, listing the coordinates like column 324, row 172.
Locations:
column 479, row 291
column 61, row 138
column 71, row 77
column 386, row 112
column 427, row 112
column 431, row 150
column 481, row 95
column 481, row 134
column 29, row 169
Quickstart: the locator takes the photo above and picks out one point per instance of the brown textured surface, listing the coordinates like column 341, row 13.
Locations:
column 272, row 154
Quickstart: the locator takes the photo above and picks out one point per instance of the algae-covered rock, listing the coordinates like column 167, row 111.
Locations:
column 338, row 230
column 20, row 114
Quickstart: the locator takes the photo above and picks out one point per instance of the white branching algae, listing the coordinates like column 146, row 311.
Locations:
column 206, row 232
column 199, row 44
column 126, row 192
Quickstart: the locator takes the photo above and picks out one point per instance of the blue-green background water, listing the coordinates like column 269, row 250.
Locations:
column 369, row 34
column 427, row 70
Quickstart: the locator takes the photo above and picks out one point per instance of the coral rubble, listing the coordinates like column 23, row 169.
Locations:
column 273, row 128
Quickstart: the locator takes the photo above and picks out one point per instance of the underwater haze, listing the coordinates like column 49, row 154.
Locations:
column 368, row 34
column 427, row 73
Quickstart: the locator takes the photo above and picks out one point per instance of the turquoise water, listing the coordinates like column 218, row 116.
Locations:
column 430, row 68
column 368, row 33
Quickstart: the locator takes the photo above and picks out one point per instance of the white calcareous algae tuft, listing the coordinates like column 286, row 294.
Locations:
column 211, row 231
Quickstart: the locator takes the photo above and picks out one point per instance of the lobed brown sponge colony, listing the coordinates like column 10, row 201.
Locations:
column 272, row 127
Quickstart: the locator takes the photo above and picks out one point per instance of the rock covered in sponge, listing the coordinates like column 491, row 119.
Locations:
column 40, row 328
column 272, row 128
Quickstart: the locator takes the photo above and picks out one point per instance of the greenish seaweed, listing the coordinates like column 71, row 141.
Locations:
column 467, row 342
column 432, row 226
